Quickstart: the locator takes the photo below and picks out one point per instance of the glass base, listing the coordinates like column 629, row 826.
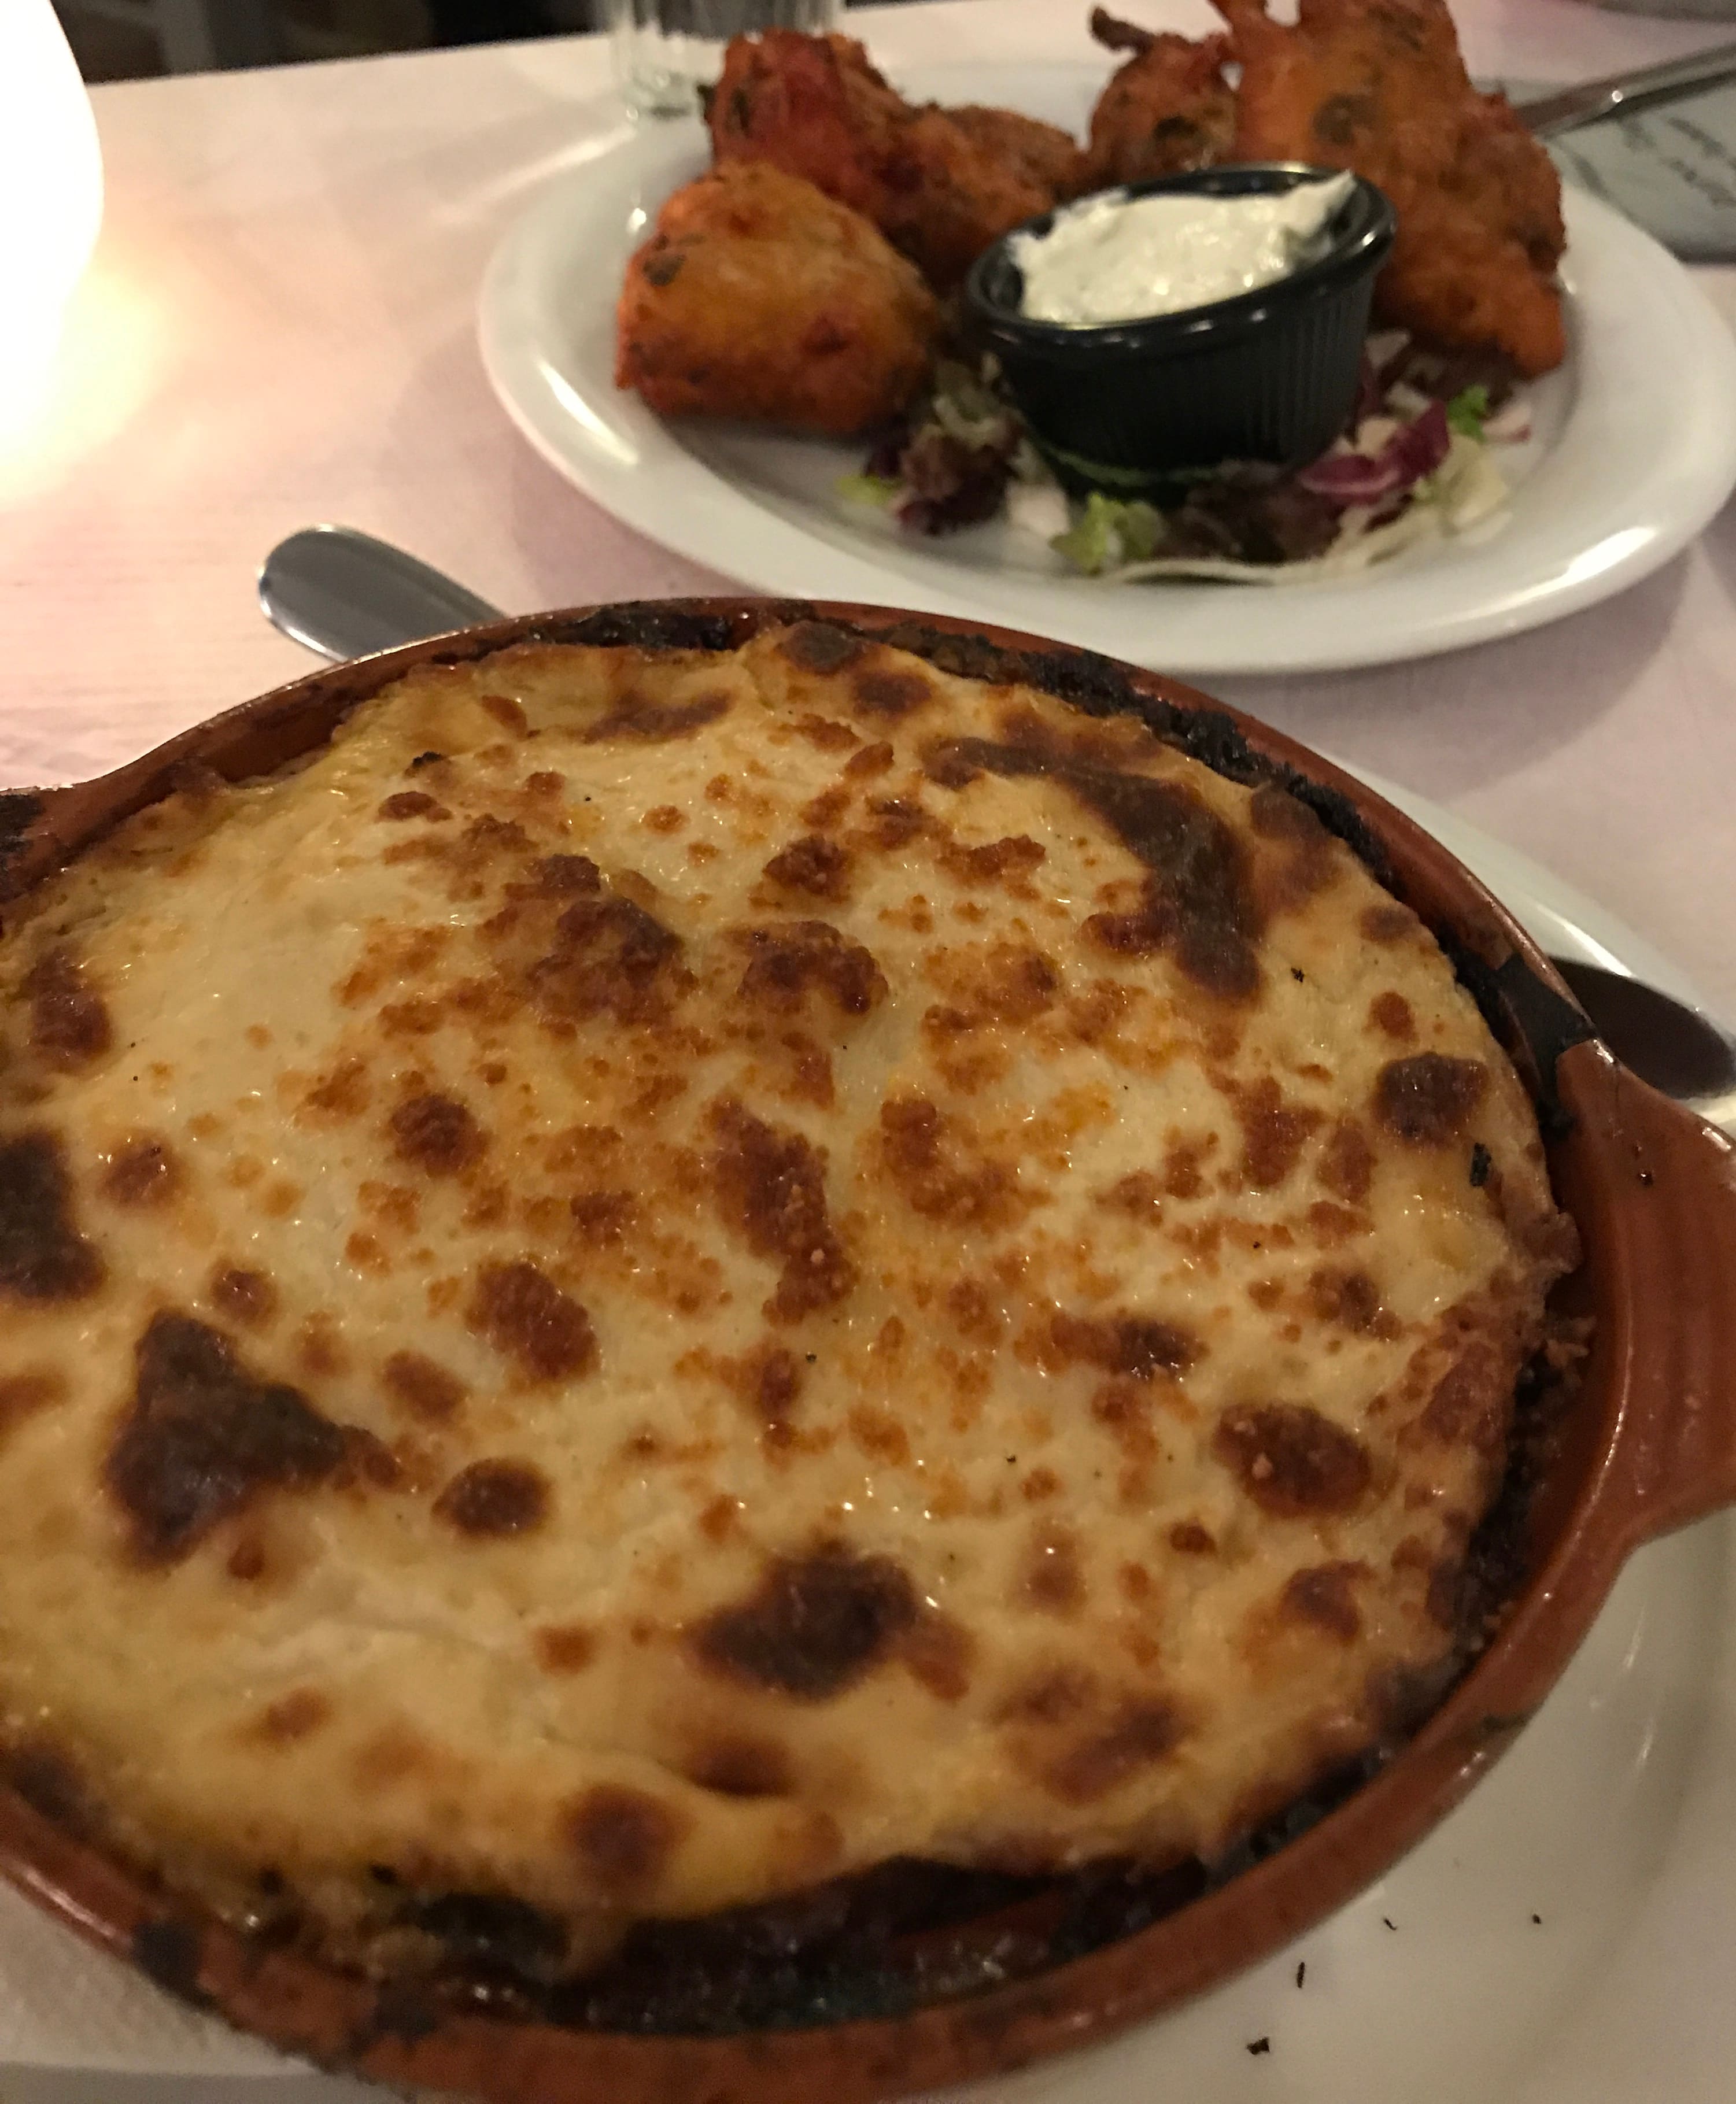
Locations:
column 666, row 52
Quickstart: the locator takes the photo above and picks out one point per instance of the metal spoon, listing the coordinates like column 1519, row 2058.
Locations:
column 1662, row 1040
column 345, row 594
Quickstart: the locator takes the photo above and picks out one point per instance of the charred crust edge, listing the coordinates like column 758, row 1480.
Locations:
column 20, row 810
column 646, row 625
column 169, row 1951
column 1099, row 686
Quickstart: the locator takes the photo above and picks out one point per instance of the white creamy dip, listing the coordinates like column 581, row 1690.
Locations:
column 1119, row 259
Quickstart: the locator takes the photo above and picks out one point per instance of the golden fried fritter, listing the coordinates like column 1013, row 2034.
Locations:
column 1167, row 109
column 757, row 297
column 1048, row 155
column 940, row 190
column 1378, row 86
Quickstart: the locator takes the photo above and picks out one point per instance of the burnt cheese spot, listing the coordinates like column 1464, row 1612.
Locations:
column 51, row 1783
column 1141, row 1733
column 343, row 1092
column 509, row 714
column 69, row 1023
column 1198, row 904
column 1050, row 1578
column 439, row 1135
column 144, row 1172
column 819, row 867
column 609, row 957
column 1187, row 1537
column 247, row 1297
column 743, row 1767
column 602, row 1217
column 895, row 820
column 564, row 875
column 1136, row 1344
column 1306, row 863
column 23, row 1395
column 1291, row 1461
column 826, row 733
column 494, row 1498
column 784, row 963
column 1390, row 922
column 1469, row 1404
column 938, row 1174
column 771, row 1189
column 777, row 1382
column 1276, row 815
column 204, row 1437
column 824, row 811
column 1346, row 1163
column 1325, row 1596
column 1482, row 1164
column 816, row 1624
column 425, row 1390
column 42, row 1256
column 938, row 1651
column 1005, row 982
column 413, row 803
column 1390, row 1013
column 565, row 1648
column 1352, row 1300
column 872, row 760
column 817, row 646
column 890, row 693
column 622, row 1838
column 1274, row 1134
column 527, row 1318
column 1429, row 1099
column 654, row 723
column 293, row 1716
column 1014, row 857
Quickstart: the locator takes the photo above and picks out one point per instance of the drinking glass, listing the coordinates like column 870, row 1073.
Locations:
column 666, row 51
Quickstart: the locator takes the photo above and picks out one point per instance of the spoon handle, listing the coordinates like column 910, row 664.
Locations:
column 346, row 595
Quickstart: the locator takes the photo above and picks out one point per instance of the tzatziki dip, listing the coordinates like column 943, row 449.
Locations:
column 1116, row 258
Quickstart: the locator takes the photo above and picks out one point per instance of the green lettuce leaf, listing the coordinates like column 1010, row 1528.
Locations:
column 1110, row 532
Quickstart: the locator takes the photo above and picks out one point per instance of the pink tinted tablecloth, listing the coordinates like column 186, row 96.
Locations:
column 278, row 328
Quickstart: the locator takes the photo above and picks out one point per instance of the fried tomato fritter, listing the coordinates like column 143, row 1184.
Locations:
column 939, row 190
column 1048, row 155
column 1169, row 108
column 757, row 297
column 1378, row 87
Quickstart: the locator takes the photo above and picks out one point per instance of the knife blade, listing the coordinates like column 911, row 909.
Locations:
column 1620, row 94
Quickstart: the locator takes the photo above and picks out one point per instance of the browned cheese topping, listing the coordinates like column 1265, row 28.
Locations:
column 664, row 1274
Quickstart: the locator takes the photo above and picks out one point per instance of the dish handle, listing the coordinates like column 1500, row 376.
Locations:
column 1654, row 1186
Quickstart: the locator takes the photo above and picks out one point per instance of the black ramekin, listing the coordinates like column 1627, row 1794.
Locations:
column 1270, row 375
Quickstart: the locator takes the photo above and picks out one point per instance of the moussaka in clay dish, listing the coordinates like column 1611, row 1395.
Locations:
column 657, row 1279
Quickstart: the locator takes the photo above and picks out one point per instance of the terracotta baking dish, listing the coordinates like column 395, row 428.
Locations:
column 1649, row 1444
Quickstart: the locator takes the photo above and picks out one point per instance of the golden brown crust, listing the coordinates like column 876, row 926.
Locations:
column 683, row 1315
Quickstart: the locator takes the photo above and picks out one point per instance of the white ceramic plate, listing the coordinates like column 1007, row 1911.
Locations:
column 1635, row 449
column 1612, row 1821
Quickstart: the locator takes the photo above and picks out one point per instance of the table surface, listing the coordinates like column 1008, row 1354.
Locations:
column 278, row 327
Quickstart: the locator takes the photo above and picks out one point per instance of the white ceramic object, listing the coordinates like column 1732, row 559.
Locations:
column 1634, row 450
